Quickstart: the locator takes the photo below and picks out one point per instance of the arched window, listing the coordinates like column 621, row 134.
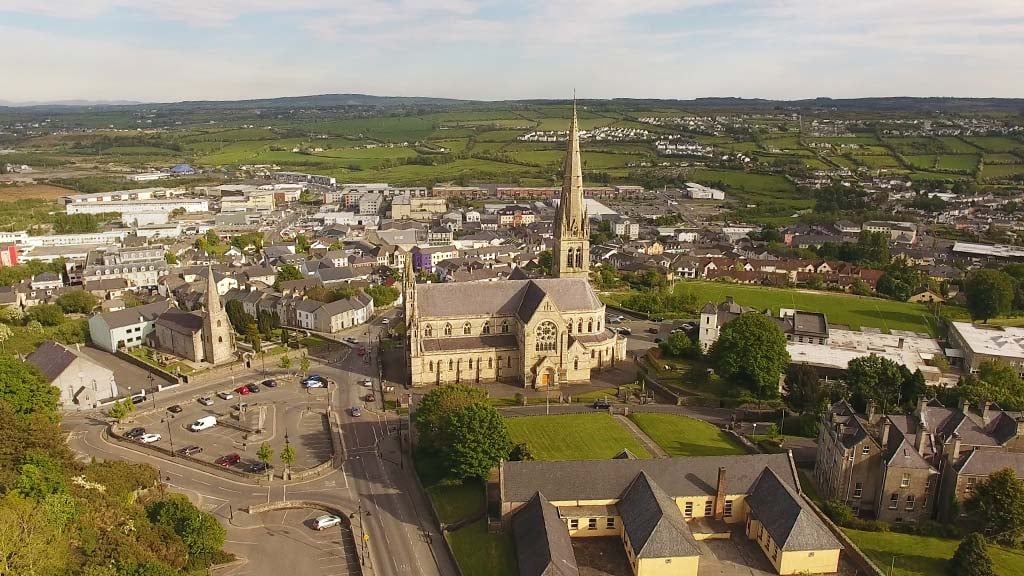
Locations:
column 504, row 327
column 220, row 338
column 486, row 328
column 431, row 365
column 218, row 323
column 579, row 326
column 576, row 363
column 447, row 329
column 428, row 332
column 451, row 364
column 470, row 363
column 579, row 257
column 568, row 258
column 547, row 336
column 590, row 326
column 568, row 327
column 490, row 363
column 467, row 329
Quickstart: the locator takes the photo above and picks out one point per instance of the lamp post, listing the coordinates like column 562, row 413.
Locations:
column 170, row 438
column 363, row 536
column 287, row 448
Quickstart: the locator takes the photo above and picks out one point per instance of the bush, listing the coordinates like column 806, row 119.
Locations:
column 46, row 314
column 805, row 425
column 838, row 512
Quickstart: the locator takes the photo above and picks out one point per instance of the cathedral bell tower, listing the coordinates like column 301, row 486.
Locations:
column 218, row 341
column 571, row 258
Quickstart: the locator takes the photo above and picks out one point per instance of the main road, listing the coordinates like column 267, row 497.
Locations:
column 375, row 483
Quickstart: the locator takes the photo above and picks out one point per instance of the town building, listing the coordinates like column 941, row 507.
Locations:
column 83, row 383
column 973, row 345
column 199, row 336
column 539, row 333
column 405, row 207
column 128, row 328
column 660, row 510
column 142, row 266
column 9, row 254
column 798, row 326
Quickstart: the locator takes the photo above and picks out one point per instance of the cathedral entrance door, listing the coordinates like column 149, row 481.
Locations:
column 545, row 379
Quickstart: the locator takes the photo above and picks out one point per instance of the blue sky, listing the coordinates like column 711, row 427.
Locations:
column 170, row 50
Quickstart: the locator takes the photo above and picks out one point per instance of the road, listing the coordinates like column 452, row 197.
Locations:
column 375, row 484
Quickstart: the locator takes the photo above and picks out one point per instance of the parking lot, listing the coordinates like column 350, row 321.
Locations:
column 285, row 542
column 284, row 414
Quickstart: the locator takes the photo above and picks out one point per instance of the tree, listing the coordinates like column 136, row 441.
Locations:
column 25, row 389
column 285, row 362
column 900, row 281
column 253, row 336
column 437, row 407
column 171, row 258
column 545, row 261
column 751, row 352
column 29, row 542
column 996, row 381
column 382, row 295
column 117, row 411
column 34, row 326
column 875, row 378
column 77, row 301
column 286, row 273
column 286, row 337
column 304, row 365
column 201, row 533
column 287, row 457
column 237, row 316
column 803, row 388
column 998, row 504
column 679, row 345
column 46, row 314
column 971, row 558
column 11, row 315
column 520, row 452
column 479, row 440
column 265, row 454
column 5, row 335
column 989, row 294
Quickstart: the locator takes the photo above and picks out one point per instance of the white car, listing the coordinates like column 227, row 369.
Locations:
column 326, row 521
column 149, row 438
column 385, row 321
column 225, row 395
column 367, row 383
column 206, row 401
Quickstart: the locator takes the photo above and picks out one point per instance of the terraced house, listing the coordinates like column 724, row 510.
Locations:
column 663, row 511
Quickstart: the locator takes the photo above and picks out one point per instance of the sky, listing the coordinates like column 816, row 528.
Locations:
column 172, row 50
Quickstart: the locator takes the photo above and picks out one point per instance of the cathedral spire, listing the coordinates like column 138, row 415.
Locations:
column 212, row 296
column 572, row 229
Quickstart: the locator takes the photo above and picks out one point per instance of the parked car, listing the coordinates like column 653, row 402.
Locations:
column 190, row 450
column 602, row 404
column 149, row 438
column 316, row 377
column 269, row 383
column 228, row 460
column 242, row 390
column 139, row 398
column 205, row 401
column 135, row 433
column 625, row 331
column 356, row 411
column 225, row 395
column 203, row 423
column 657, row 319
column 176, row 409
column 366, row 382
column 257, row 467
column 652, row 330
column 351, row 340
column 370, row 397
column 314, row 383
column 254, row 387
column 385, row 321
column 326, row 521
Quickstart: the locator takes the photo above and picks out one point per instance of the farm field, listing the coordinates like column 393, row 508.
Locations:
column 925, row 556
column 574, row 437
column 32, row 191
column 682, row 436
column 1001, row 171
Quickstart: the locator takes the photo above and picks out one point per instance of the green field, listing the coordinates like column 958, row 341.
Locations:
column 682, row 436
column 996, row 143
column 875, row 162
column 574, row 437
column 962, row 162
column 482, row 554
column 1001, row 171
column 925, row 556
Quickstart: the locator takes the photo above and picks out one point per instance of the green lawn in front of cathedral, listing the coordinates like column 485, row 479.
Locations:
column 573, row 436
column 682, row 436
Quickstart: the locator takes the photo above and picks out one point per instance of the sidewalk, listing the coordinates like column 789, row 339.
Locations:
column 644, row 439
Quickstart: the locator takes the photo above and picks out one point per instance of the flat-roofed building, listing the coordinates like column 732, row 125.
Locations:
column 981, row 343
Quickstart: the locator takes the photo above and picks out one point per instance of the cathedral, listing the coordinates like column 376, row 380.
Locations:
column 539, row 333
column 204, row 336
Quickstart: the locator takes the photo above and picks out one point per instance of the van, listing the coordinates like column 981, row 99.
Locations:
column 139, row 397
column 203, row 423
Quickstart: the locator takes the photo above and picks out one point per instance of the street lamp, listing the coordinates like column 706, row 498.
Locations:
column 363, row 536
column 287, row 446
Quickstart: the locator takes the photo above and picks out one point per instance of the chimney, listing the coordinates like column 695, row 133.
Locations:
column 871, row 411
column 921, row 436
column 983, row 408
column 921, row 402
column 956, row 448
column 885, row 433
column 899, row 344
column 720, row 495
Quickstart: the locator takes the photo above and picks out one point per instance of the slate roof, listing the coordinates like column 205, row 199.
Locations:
column 181, row 321
column 985, row 462
column 652, row 521
column 52, row 359
column 543, row 546
column 608, row 479
column 502, row 341
column 136, row 315
column 789, row 521
column 504, row 297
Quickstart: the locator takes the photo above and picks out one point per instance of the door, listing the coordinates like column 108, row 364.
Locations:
column 545, row 379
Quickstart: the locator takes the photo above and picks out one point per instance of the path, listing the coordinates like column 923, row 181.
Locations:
column 644, row 439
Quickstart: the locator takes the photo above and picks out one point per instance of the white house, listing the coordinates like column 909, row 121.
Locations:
column 83, row 383
column 125, row 328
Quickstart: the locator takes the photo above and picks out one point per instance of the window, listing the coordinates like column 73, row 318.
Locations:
column 905, row 480
column 688, row 510
column 509, row 361
column 547, row 336
column 490, row 363
column 467, row 329
column 447, row 329
column 574, row 523
column 428, row 331
column 575, row 363
column 504, row 327
column 894, row 501
column 451, row 365
column 590, row 326
column 728, row 508
column 470, row 363
column 852, row 453
column 865, row 450
column 579, row 326
column 709, row 507
column 858, row 490
column 911, row 501
column 970, row 486
column 609, row 523
column 431, row 365
column 591, row 523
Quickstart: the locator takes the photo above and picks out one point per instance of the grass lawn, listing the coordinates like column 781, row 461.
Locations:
column 481, row 554
column 456, row 502
column 925, row 556
column 574, row 437
column 682, row 436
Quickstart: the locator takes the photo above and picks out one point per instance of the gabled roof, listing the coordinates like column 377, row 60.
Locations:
column 543, row 546
column 791, row 524
column 136, row 315
column 181, row 321
column 504, row 297
column 985, row 462
column 52, row 359
column 652, row 521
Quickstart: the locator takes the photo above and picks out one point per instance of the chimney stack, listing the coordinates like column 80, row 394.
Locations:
column 720, row 495
column 921, row 402
column 956, row 448
column 921, row 436
column 900, row 344
column 871, row 411
column 965, row 406
column 885, row 434
column 984, row 407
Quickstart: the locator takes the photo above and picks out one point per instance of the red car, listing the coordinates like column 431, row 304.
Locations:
column 242, row 390
column 228, row 460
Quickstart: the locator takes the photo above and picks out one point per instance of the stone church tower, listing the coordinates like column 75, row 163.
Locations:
column 218, row 338
column 571, row 258
column 412, row 329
